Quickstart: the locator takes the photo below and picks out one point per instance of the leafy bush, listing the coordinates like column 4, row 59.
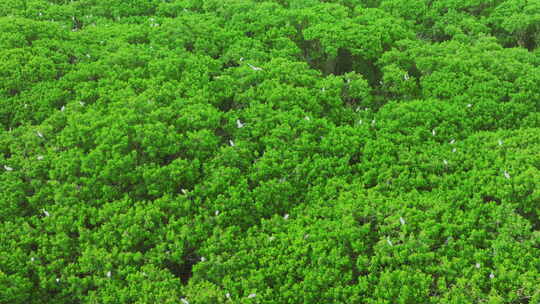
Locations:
column 248, row 151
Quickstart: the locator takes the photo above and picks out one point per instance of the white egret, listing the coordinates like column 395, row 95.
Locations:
column 184, row 191
column 445, row 162
column 491, row 275
column 469, row 105
column 433, row 132
column 57, row 280
column 239, row 124
column 203, row 259
column 500, row 142
column 406, row 76
column 286, row 216
column 477, row 265
column 228, row 295
column 45, row 212
column 454, row 150
column 453, row 141
column 251, row 296
column 8, row 168
column 506, row 174
column 39, row 134
column 231, row 143
column 184, row 301
column 307, row 118
column 108, row 274
column 373, row 122
column 40, row 157
column 32, row 259
column 254, row 67
column 62, row 108
column 402, row 220
column 389, row 242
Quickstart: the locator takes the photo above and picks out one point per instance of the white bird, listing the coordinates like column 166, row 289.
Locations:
column 402, row 220
column 406, row 76
column 286, row 216
column 228, row 295
column 231, row 143
column 216, row 213
column 203, row 259
column 373, row 122
column 389, row 242
column 8, row 168
column 108, row 274
column 251, row 296
column 239, row 124
column 57, row 280
column 433, row 132
column 306, row 236
column 357, row 109
column 360, row 122
column 62, row 108
column 81, row 103
column 453, row 141
column 506, row 174
column 40, row 157
column 254, row 67
column 184, row 191
column 500, row 142
column 491, row 275
column 469, row 105
column 241, row 59
column 272, row 238
column 323, row 89
column 45, row 212
column 445, row 162
column 32, row 259
column 307, row 118
column 454, row 150
column 184, row 301
column 39, row 134
column 477, row 265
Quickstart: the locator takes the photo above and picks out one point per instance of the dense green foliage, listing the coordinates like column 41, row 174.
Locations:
column 278, row 151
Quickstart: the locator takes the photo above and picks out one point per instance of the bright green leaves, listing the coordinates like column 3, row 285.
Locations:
column 269, row 151
column 517, row 23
